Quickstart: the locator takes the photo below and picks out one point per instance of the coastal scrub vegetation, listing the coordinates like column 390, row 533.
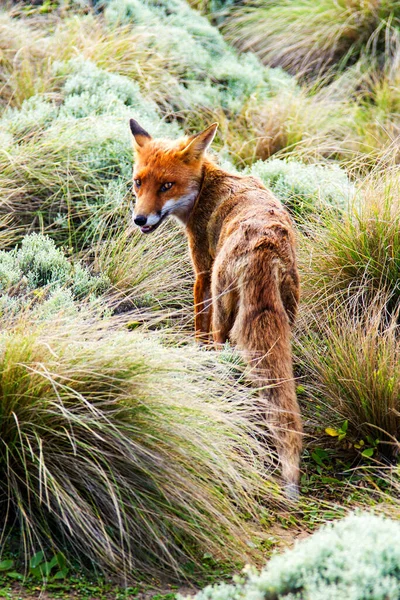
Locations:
column 124, row 445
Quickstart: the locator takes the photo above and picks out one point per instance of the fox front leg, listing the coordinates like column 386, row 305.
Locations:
column 202, row 308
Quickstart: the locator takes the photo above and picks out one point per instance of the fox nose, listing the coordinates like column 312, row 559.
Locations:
column 140, row 220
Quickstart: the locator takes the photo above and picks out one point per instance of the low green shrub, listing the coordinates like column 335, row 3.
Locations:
column 119, row 451
column 59, row 302
column 209, row 73
column 89, row 90
column 41, row 262
column 174, row 13
column 357, row 558
column 10, row 273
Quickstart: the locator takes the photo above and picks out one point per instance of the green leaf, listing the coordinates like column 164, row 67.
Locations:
column 6, row 565
column 62, row 563
column 36, row 572
column 15, row 575
column 36, row 559
column 45, row 569
column 332, row 432
column 61, row 574
column 133, row 325
column 368, row 452
column 344, row 426
column 53, row 562
column 329, row 480
column 317, row 457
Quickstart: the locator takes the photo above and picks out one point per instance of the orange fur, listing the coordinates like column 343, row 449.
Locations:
column 243, row 251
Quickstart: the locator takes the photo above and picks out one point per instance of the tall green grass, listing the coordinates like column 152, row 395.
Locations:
column 347, row 342
column 346, row 55
column 23, row 66
column 50, row 182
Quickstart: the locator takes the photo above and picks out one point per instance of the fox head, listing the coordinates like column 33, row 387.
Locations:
column 167, row 175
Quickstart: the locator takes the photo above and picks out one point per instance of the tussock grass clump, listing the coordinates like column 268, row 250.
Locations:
column 313, row 37
column 352, row 368
column 377, row 119
column 294, row 122
column 356, row 255
column 356, row 558
column 124, row 50
column 146, row 278
column 23, row 63
column 123, row 452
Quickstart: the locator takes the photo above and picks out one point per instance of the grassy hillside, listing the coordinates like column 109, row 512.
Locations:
column 126, row 448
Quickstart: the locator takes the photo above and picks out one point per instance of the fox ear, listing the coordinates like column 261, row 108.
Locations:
column 198, row 143
column 141, row 136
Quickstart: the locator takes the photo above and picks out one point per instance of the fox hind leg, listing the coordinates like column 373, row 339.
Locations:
column 290, row 293
column 224, row 303
column 222, row 320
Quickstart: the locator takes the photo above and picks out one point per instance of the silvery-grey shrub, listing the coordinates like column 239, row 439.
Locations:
column 305, row 187
column 38, row 263
column 357, row 558
column 198, row 55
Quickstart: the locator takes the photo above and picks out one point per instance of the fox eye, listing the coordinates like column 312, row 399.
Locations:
column 166, row 186
column 138, row 182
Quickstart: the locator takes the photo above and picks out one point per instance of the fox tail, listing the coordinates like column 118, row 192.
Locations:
column 262, row 330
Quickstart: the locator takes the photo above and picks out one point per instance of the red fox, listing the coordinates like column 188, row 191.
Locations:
column 242, row 247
